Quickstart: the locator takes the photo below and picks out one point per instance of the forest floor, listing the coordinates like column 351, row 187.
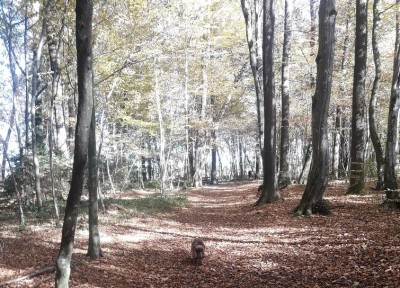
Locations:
column 358, row 245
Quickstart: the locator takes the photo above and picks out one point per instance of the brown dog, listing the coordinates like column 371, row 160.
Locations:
column 198, row 249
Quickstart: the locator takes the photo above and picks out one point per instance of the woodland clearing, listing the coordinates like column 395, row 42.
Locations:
column 358, row 245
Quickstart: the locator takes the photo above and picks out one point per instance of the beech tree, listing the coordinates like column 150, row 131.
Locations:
column 284, row 178
column 393, row 118
column 311, row 201
column 376, row 142
column 270, row 192
column 84, row 13
column 357, row 177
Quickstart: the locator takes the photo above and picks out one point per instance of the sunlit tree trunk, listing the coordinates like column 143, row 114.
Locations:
column 36, row 114
column 84, row 12
column 163, row 167
column 253, row 19
column 357, row 177
column 318, row 176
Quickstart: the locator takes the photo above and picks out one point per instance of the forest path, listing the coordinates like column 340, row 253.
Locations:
column 358, row 245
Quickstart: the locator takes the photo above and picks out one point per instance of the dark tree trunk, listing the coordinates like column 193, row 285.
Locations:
column 270, row 192
column 84, row 12
column 357, row 177
column 284, row 177
column 94, row 248
column 392, row 132
column 374, row 95
column 311, row 201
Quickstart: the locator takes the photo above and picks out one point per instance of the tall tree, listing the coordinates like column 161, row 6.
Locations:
column 390, row 178
column 253, row 18
column 311, row 201
column 284, row 178
column 94, row 248
column 84, row 14
column 357, row 177
column 270, row 193
column 374, row 96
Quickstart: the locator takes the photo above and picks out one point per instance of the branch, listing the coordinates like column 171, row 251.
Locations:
column 48, row 269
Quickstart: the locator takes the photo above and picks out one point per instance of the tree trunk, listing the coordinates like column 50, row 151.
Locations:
column 357, row 177
column 393, row 120
column 318, row 176
column 36, row 117
column 213, row 179
column 163, row 166
column 84, row 12
column 94, row 248
column 270, row 192
column 374, row 95
column 251, row 11
column 284, row 177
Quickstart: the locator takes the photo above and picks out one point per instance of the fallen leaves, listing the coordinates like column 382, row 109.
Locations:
column 357, row 246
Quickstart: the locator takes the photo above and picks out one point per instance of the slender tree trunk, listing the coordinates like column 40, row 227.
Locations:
column 318, row 176
column 84, row 12
column 284, row 177
column 253, row 18
column 390, row 178
column 14, row 80
column 35, row 114
column 163, row 166
column 357, row 177
column 374, row 98
column 270, row 192
column 94, row 248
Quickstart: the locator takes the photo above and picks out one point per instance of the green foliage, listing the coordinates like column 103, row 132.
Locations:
column 149, row 205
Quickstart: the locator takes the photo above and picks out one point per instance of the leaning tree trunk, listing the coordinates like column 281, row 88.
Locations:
column 284, row 177
column 373, row 100
column 357, row 175
column 270, row 192
column 392, row 134
column 84, row 13
column 318, row 176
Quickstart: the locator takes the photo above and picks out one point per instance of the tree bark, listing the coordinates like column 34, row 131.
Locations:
column 374, row 98
column 311, row 201
column 36, row 117
column 253, row 18
column 270, row 192
column 284, row 177
column 390, row 178
column 357, row 177
column 94, row 248
column 163, row 166
column 84, row 13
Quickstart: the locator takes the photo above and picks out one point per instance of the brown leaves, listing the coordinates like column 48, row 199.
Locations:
column 357, row 246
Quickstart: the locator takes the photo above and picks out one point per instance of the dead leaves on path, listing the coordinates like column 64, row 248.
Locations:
column 357, row 246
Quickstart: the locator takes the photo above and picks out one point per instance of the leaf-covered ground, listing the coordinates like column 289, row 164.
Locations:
column 357, row 246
